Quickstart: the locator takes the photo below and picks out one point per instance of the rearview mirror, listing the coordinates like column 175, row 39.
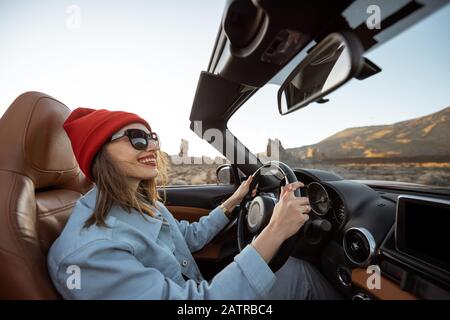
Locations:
column 330, row 64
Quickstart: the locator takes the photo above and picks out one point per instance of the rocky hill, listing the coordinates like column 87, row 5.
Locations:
column 420, row 137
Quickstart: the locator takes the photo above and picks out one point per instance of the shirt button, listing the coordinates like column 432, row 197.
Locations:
column 184, row 263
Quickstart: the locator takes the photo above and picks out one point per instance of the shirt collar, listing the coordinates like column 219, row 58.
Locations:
column 146, row 224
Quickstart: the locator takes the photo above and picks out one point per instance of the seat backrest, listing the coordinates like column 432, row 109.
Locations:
column 40, row 181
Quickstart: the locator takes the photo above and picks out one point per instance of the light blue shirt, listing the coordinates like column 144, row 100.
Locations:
column 141, row 257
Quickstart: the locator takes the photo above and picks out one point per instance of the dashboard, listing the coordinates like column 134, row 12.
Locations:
column 398, row 234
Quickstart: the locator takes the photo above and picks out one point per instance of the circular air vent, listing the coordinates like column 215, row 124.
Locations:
column 359, row 246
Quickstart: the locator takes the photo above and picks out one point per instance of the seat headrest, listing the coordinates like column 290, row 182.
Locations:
column 33, row 142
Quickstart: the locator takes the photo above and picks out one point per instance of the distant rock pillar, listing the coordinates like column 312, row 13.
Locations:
column 184, row 148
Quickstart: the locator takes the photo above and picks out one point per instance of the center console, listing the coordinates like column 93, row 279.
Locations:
column 416, row 252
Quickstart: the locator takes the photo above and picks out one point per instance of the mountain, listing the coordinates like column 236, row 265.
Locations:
column 427, row 136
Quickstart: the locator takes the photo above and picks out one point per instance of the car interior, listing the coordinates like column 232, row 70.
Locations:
column 354, row 227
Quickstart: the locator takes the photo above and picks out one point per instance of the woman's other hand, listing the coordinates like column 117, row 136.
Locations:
column 290, row 212
column 243, row 189
column 239, row 194
column 289, row 215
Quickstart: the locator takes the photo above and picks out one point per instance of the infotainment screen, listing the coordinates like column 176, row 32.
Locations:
column 423, row 229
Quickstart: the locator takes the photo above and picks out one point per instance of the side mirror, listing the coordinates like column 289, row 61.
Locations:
column 330, row 64
column 225, row 175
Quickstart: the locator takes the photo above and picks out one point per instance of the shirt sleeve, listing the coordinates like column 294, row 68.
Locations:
column 111, row 271
column 198, row 234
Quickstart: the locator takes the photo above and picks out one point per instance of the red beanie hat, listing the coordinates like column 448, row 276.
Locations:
column 88, row 129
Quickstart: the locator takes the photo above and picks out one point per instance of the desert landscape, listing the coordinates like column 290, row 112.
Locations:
column 191, row 174
column 415, row 151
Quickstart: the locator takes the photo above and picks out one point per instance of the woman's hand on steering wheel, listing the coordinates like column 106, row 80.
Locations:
column 237, row 197
column 243, row 189
column 270, row 225
column 290, row 212
column 289, row 215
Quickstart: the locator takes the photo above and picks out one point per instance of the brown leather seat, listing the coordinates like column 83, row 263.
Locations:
column 40, row 181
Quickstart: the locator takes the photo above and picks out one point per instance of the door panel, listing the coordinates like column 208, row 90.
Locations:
column 198, row 196
column 190, row 214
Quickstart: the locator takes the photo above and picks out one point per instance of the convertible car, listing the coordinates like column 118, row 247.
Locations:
column 371, row 239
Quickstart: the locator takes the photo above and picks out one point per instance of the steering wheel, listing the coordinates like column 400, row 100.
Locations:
column 254, row 215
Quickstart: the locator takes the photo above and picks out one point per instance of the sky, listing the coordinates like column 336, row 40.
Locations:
column 415, row 81
column 146, row 56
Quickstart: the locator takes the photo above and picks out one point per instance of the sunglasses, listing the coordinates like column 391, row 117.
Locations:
column 139, row 139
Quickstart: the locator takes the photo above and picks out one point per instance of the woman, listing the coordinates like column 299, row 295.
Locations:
column 121, row 242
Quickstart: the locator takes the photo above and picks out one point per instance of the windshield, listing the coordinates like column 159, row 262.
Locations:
column 393, row 126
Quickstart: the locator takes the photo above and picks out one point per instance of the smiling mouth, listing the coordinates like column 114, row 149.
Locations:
column 149, row 162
